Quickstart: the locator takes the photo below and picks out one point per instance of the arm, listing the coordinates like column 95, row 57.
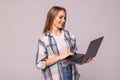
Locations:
column 53, row 60
column 42, row 61
column 40, row 56
column 73, row 43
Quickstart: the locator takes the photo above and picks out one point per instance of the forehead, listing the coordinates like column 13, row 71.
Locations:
column 61, row 13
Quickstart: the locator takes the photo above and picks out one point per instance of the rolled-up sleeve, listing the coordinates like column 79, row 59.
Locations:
column 41, row 56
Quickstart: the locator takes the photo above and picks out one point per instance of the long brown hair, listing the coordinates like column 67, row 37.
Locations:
column 52, row 13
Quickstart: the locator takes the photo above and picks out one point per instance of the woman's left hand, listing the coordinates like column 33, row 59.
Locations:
column 89, row 59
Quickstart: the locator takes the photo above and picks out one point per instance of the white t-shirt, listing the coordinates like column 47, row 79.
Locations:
column 61, row 44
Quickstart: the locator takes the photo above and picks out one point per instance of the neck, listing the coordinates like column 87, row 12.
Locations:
column 55, row 31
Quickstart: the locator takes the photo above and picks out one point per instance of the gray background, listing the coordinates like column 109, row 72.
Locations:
column 21, row 24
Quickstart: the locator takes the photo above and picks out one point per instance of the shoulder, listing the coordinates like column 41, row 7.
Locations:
column 43, row 39
column 70, row 34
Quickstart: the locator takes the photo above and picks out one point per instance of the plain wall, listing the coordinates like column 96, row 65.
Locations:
column 22, row 22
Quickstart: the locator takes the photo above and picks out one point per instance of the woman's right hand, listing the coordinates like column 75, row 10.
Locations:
column 62, row 56
column 65, row 54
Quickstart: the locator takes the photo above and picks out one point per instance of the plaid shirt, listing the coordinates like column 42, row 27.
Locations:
column 47, row 48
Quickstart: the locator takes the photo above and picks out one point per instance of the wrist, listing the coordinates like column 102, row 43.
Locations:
column 59, row 58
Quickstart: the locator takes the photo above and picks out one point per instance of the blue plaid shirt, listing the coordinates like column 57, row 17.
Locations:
column 47, row 48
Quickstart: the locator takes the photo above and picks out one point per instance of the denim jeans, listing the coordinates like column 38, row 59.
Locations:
column 67, row 72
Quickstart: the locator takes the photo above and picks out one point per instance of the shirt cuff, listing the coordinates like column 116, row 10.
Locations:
column 41, row 65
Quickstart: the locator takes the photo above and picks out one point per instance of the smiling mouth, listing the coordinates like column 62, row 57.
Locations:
column 62, row 23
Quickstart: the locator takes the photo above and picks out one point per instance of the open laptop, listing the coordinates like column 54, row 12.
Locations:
column 90, row 53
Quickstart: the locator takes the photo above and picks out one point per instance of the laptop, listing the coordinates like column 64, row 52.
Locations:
column 90, row 53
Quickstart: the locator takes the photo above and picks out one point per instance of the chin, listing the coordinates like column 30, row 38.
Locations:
column 61, row 27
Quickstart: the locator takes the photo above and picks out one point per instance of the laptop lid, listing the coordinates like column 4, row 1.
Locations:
column 93, row 48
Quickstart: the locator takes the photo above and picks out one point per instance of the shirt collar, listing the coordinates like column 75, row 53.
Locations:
column 47, row 33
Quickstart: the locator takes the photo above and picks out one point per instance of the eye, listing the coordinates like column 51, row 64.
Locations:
column 62, row 17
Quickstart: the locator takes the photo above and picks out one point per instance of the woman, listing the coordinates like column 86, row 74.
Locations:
column 55, row 45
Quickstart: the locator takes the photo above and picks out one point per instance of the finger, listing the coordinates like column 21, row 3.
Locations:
column 88, row 60
column 71, row 53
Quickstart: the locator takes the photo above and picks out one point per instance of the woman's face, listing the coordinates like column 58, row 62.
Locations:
column 59, row 20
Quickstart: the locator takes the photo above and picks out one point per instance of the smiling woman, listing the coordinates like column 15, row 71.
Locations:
column 55, row 45
column 59, row 21
column 55, row 13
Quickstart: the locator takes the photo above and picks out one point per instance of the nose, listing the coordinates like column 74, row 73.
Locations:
column 63, row 19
